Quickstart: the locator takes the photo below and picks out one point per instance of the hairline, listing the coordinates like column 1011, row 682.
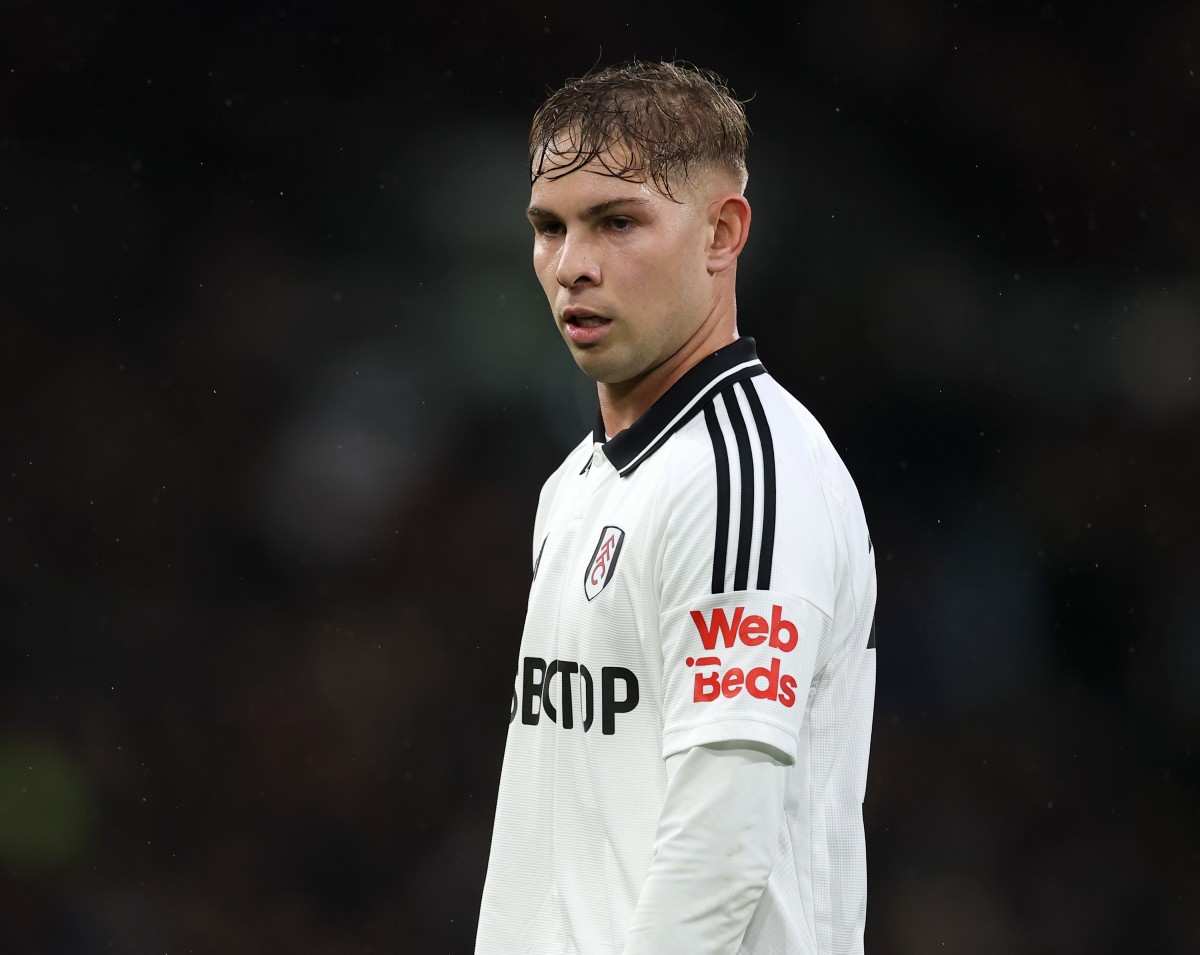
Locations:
column 635, row 170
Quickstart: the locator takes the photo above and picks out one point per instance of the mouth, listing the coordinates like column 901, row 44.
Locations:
column 584, row 327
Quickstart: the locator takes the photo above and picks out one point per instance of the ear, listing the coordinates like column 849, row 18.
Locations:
column 729, row 219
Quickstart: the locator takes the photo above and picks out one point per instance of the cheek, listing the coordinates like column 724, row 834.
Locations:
column 673, row 272
column 544, row 265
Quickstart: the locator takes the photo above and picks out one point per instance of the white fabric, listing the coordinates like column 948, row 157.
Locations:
column 716, row 842
column 659, row 621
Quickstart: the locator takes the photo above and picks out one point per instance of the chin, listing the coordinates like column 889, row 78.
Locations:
column 611, row 374
column 597, row 368
column 593, row 369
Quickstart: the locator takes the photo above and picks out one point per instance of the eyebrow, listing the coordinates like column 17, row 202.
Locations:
column 591, row 212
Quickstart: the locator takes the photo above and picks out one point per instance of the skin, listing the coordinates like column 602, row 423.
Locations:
column 658, row 271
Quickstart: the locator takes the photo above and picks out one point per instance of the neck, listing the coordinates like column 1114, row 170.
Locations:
column 623, row 403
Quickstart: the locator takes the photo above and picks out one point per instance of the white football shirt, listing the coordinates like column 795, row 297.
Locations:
column 704, row 576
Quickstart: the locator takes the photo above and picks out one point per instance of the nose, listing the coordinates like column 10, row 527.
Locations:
column 577, row 262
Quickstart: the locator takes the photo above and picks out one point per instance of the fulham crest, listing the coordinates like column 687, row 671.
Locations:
column 603, row 564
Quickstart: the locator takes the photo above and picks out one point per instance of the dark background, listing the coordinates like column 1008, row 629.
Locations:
column 279, row 390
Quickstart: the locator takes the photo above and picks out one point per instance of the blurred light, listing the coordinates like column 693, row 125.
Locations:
column 43, row 804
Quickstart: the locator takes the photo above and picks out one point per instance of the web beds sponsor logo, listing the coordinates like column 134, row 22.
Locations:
column 766, row 682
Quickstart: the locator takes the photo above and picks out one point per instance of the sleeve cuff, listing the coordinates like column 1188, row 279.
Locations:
column 777, row 736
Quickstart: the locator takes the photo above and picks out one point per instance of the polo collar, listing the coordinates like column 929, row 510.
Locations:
column 629, row 448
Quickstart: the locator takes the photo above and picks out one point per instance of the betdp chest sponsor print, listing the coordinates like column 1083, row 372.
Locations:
column 729, row 629
column 564, row 691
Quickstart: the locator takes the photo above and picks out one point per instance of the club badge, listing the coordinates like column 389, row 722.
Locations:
column 603, row 564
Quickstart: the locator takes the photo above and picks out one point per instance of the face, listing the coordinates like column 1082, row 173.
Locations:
column 623, row 267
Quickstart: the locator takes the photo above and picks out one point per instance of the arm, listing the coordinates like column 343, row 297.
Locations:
column 713, row 851
column 739, row 653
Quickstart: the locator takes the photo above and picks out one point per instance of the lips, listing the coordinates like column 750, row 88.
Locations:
column 585, row 327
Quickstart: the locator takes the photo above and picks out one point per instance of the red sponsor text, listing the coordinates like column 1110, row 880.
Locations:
column 765, row 682
column 751, row 629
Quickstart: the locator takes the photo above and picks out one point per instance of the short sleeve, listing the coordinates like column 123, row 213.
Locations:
column 745, row 609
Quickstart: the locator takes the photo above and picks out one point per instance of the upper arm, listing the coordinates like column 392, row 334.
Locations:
column 745, row 581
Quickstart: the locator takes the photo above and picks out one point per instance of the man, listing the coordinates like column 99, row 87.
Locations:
column 691, row 717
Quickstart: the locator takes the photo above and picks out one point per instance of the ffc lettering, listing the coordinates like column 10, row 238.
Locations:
column 603, row 564
column 762, row 682
column 573, row 686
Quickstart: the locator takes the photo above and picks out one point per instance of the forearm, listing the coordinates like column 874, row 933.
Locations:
column 713, row 851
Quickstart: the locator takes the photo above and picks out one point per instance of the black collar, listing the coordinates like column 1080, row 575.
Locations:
column 683, row 399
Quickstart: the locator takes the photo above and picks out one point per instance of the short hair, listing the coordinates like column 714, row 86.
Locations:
column 671, row 117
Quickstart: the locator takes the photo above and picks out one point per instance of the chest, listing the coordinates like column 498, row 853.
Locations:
column 594, row 588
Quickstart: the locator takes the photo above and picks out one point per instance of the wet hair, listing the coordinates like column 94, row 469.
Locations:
column 671, row 118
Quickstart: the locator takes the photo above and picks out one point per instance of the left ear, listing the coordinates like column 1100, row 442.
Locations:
column 729, row 220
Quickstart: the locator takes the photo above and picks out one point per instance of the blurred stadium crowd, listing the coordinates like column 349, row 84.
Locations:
column 279, row 391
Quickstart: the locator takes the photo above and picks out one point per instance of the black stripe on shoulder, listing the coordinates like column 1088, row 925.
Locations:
column 741, row 571
column 721, row 459
column 871, row 639
column 767, row 548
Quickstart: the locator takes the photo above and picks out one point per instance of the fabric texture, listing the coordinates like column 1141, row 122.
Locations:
column 705, row 576
column 714, row 849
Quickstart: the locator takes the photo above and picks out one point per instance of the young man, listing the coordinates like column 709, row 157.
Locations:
column 691, row 717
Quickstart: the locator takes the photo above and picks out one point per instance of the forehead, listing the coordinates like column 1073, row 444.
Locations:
column 562, row 179
column 569, row 145
column 586, row 185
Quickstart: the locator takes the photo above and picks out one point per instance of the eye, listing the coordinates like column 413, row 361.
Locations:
column 548, row 227
column 620, row 223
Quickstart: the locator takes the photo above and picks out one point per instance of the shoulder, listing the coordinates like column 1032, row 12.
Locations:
column 756, row 428
column 576, row 458
column 751, row 433
column 799, row 441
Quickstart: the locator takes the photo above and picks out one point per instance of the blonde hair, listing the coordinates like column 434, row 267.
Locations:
column 655, row 122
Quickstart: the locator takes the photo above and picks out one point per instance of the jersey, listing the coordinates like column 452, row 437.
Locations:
column 704, row 576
